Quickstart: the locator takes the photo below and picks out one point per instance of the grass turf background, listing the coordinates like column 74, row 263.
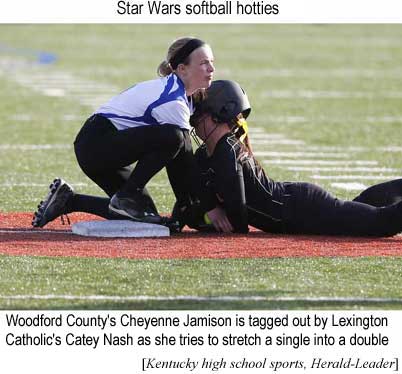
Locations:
column 264, row 59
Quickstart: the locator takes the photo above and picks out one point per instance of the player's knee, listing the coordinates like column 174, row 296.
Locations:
column 174, row 138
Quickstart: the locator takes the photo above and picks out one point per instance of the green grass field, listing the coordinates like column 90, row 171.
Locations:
column 332, row 93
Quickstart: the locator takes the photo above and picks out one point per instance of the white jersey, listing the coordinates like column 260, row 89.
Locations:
column 155, row 102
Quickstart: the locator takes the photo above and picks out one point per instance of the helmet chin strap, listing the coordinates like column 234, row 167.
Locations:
column 238, row 127
column 211, row 132
column 197, row 139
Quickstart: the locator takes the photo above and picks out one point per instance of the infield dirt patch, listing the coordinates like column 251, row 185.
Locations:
column 18, row 238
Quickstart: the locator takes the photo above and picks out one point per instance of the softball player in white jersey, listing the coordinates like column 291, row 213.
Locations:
column 149, row 124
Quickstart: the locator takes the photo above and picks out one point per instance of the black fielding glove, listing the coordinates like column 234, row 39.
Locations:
column 190, row 213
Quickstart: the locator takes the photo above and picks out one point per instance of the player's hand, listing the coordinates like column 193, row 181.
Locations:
column 220, row 220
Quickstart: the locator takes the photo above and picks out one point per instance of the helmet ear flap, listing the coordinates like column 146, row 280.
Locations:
column 227, row 110
column 230, row 107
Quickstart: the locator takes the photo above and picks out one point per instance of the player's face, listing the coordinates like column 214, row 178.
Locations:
column 199, row 72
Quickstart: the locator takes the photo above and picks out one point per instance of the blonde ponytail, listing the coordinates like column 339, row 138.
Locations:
column 164, row 67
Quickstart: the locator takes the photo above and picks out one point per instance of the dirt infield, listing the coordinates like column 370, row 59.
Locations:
column 18, row 238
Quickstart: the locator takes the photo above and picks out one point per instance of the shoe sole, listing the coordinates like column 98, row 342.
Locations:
column 55, row 188
column 122, row 213
column 125, row 214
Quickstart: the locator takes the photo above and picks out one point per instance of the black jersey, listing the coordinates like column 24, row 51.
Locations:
column 233, row 177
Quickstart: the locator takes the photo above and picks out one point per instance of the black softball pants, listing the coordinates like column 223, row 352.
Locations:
column 312, row 210
column 106, row 155
column 382, row 194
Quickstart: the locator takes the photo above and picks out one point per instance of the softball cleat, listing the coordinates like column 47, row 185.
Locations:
column 137, row 207
column 54, row 205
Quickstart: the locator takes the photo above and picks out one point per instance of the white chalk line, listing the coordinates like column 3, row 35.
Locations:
column 386, row 119
column 350, row 186
column 27, row 118
column 337, row 148
column 329, row 148
column 20, row 117
column 50, row 82
column 317, row 94
column 299, row 119
column 34, row 231
column 324, row 73
column 356, row 177
column 34, row 147
column 271, row 141
column 316, row 151
column 78, row 184
column 263, row 136
column 318, row 162
column 261, row 130
column 326, row 165
column 280, row 139
column 278, row 119
column 27, row 184
column 344, row 169
column 117, row 298
column 299, row 154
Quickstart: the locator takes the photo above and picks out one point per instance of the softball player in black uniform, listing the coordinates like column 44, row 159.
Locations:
column 147, row 123
column 238, row 193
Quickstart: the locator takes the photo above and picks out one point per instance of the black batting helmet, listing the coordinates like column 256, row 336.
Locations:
column 224, row 101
